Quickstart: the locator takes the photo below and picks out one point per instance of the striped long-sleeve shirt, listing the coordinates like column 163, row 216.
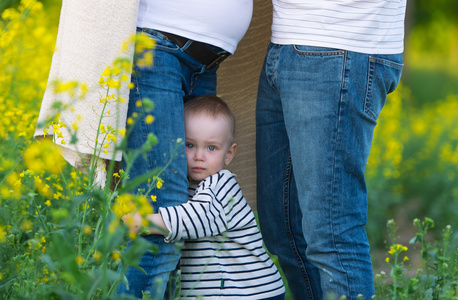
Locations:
column 223, row 257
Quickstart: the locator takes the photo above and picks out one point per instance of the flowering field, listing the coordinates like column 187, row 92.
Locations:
column 61, row 236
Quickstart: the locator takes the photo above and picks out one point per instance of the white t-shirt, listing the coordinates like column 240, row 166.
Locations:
column 372, row 27
column 221, row 23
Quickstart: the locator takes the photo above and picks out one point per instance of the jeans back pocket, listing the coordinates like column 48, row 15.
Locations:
column 384, row 75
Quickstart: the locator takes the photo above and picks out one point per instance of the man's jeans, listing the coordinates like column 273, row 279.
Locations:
column 173, row 77
column 315, row 117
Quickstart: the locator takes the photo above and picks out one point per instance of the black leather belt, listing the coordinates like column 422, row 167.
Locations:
column 198, row 50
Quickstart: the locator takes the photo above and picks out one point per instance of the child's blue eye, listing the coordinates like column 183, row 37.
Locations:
column 189, row 146
column 211, row 148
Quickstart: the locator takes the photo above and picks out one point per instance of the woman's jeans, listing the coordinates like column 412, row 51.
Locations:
column 315, row 117
column 173, row 77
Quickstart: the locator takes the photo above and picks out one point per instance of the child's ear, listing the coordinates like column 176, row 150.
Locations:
column 230, row 154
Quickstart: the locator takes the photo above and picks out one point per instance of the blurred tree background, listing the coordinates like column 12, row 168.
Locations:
column 413, row 168
column 431, row 49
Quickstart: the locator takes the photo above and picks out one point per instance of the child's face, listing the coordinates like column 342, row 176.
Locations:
column 208, row 145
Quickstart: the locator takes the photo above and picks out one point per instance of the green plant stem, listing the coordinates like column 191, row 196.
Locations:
column 152, row 185
column 104, row 277
column 112, row 161
column 395, row 277
column 39, row 217
column 95, row 243
column 94, row 155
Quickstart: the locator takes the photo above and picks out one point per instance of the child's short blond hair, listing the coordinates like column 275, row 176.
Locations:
column 211, row 105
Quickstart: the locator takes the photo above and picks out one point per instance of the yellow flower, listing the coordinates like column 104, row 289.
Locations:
column 97, row 255
column 14, row 180
column 123, row 205
column 145, row 60
column 111, row 137
column 132, row 235
column 387, row 259
column 57, row 195
column 149, row 119
column 145, row 207
column 397, row 248
column 87, row 229
column 48, row 203
column 122, row 132
column 116, row 255
column 2, row 234
column 79, row 260
column 44, row 156
column 102, row 128
column 159, row 183
column 27, row 225
column 143, row 42
column 113, row 225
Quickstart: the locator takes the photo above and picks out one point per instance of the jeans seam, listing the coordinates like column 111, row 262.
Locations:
column 343, row 71
column 289, row 233
column 327, row 52
column 386, row 62
column 272, row 78
column 370, row 76
column 193, row 83
column 336, row 142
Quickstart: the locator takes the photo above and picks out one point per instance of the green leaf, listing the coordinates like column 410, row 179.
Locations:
column 95, row 281
column 137, row 181
column 429, row 294
column 132, row 255
column 62, row 250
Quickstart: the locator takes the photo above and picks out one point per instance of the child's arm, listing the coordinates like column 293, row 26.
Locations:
column 159, row 227
column 134, row 223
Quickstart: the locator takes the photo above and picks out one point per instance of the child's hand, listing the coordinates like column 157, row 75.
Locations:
column 133, row 222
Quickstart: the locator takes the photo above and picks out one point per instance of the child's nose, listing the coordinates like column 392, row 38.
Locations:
column 199, row 154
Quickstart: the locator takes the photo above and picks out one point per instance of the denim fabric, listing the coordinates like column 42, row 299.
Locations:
column 315, row 117
column 159, row 278
column 174, row 77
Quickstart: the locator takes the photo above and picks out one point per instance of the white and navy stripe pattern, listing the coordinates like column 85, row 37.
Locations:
column 369, row 26
column 223, row 256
